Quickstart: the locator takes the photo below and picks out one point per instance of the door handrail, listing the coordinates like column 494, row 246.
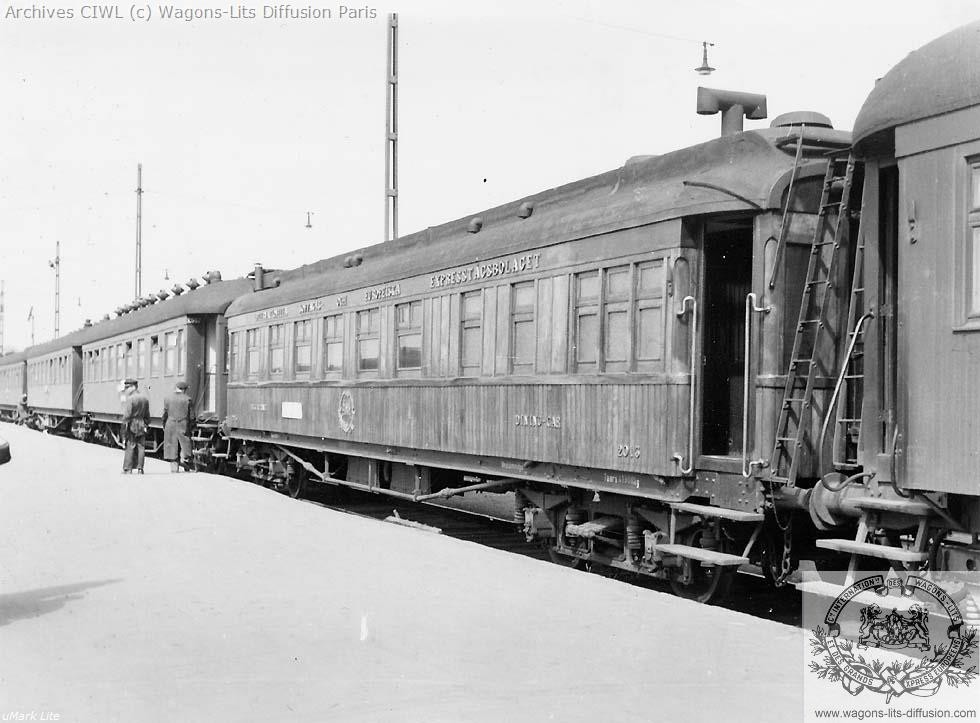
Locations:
column 694, row 378
column 751, row 305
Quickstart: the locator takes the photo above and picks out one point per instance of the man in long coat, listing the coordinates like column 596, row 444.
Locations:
column 135, row 423
column 177, row 413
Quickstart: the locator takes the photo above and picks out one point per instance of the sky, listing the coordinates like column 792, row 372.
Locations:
column 245, row 126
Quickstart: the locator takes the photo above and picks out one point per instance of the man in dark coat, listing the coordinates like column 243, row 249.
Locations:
column 136, row 422
column 177, row 413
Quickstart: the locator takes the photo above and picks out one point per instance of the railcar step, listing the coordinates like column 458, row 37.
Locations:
column 722, row 512
column 708, row 557
column 867, row 549
column 593, row 528
column 887, row 504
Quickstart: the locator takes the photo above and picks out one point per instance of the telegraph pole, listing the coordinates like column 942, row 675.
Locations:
column 56, row 265
column 139, row 230
column 391, row 133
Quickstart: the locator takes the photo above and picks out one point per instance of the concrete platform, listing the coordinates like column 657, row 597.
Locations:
column 199, row 598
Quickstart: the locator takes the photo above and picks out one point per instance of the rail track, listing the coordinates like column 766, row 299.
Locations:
column 749, row 594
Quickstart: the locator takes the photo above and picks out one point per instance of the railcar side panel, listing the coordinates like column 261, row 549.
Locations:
column 54, row 382
column 13, row 383
column 939, row 309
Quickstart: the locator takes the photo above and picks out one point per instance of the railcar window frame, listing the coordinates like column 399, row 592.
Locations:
column 471, row 326
column 408, row 326
column 586, row 300
column 276, row 334
column 234, row 354
column 181, row 353
column 155, row 356
column 253, row 354
column 333, row 341
column 366, row 335
column 519, row 316
column 971, row 247
column 645, row 300
column 302, row 346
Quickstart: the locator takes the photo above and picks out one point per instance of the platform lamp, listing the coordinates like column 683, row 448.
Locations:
column 704, row 68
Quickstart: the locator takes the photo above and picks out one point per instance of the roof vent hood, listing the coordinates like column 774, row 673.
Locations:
column 733, row 106
column 796, row 118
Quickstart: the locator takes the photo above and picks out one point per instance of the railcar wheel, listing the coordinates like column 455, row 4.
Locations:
column 560, row 558
column 707, row 584
column 296, row 482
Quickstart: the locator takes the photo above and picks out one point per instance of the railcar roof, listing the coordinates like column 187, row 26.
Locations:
column 940, row 77
column 731, row 173
column 13, row 358
column 211, row 298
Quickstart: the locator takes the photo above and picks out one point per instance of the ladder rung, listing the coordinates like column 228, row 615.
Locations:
column 849, row 419
column 801, row 359
column 786, row 439
column 814, row 283
column 809, row 321
column 854, row 376
column 794, row 400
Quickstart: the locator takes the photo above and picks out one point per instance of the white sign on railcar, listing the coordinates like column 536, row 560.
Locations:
column 292, row 410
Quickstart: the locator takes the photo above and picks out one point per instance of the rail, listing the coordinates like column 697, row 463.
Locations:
column 693, row 392
column 750, row 305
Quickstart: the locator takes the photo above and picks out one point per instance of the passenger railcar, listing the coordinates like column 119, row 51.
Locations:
column 734, row 355
column 585, row 346
column 178, row 338
column 13, row 383
column 907, row 429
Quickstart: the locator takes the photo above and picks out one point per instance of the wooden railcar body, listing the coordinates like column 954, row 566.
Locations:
column 596, row 393
column 919, row 139
column 179, row 339
column 13, row 381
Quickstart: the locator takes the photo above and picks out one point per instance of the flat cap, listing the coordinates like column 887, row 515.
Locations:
column 182, row 386
column 130, row 383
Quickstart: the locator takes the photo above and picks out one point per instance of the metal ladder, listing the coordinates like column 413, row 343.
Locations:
column 811, row 329
column 847, row 422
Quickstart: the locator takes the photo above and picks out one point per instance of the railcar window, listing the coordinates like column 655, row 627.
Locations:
column 368, row 325
column 252, row 354
column 120, row 361
column 141, row 358
column 408, row 328
column 302, row 335
column 586, row 352
column 154, row 356
column 234, row 352
column 471, row 341
column 277, row 349
column 649, row 313
column 170, row 353
column 974, row 242
column 181, row 352
column 616, row 316
column 333, row 344
column 130, row 362
column 522, row 328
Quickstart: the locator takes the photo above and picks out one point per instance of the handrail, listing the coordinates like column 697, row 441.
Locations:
column 781, row 239
column 750, row 306
column 694, row 377
column 839, row 385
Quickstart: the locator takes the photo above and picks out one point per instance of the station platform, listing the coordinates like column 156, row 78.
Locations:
column 195, row 597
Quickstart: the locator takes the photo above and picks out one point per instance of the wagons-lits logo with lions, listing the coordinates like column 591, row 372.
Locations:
column 913, row 659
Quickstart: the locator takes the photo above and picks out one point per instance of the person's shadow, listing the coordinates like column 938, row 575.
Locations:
column 35, row 603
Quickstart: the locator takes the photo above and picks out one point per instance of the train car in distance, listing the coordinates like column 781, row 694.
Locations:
column 13, row 383
column 614, row 350
column 181, row 337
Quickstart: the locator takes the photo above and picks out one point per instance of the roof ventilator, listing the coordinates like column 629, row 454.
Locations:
column 733, row 106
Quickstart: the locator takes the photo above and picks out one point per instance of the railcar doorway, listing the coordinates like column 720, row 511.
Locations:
column 727, row 281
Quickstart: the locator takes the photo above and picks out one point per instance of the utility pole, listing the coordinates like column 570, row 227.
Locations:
column 391, row 133
column 56, row 265
column 139, row 230
column 30, row 318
